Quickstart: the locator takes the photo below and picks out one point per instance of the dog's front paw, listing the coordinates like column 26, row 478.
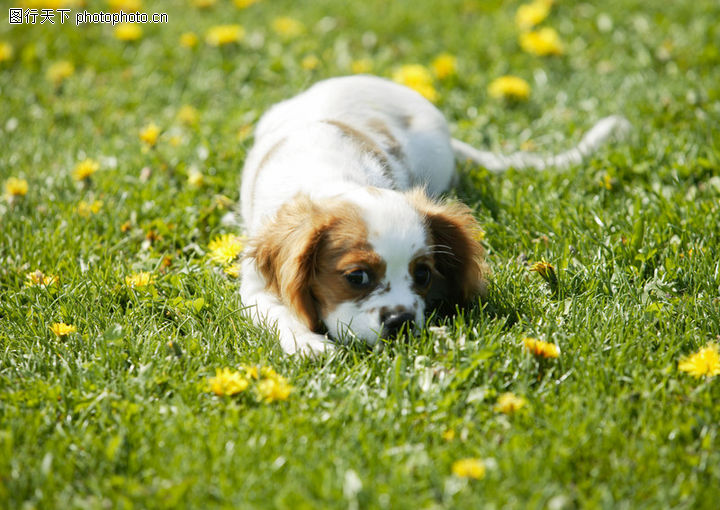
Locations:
column 309, row 345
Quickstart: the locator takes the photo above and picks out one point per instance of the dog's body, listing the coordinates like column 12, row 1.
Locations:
column 343, row 237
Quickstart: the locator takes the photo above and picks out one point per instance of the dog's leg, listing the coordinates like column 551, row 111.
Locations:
column 607, row 127
column 266, row 309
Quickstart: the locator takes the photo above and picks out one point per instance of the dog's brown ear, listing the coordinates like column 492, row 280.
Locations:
column 285, row 253
column 458, row 255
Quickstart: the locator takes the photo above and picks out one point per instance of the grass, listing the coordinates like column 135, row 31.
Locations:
column 119, row 413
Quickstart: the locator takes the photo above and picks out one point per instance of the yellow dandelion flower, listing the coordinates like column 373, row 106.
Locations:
column 274, row 388
column 188, row 115
column 195, row 178
column 15, row 187
column 204, row 4
column 509, row 87
column 6, row 51
column 444, row 66
column 227, row 382
column 361, row 66
column 448, row 435
column 126, row 5
column 60, row 71
column 418, row 78
column 544, row 269
column 221, row 35
column 534, row 13
column 233, row 270
column 85, row 209
column 244, row 4
column 85, row 169
column 252, row 372
column 310, row 63
column 149, row 134
column 188, row 40
column 540, row 348
column 49, row 4
column 138, row 280
column 38, row 278
column 62, row 329
column 286, row 26
column 508, row 403
column 705, row 362
column 545, row 41
column 128, row 32
column 469, row 468
column 225, row 248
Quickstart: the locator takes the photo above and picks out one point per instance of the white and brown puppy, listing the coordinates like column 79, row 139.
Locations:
column 346, row 237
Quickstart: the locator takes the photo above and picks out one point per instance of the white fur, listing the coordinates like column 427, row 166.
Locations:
column 311, row 156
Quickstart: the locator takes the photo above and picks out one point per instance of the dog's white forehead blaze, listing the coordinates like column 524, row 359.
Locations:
column 395, row 228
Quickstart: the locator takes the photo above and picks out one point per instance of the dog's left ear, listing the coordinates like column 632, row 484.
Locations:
column 458, row 255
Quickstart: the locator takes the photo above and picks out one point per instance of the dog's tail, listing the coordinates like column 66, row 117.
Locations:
column 605, row 128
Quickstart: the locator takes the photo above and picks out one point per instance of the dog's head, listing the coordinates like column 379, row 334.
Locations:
column 367, row 265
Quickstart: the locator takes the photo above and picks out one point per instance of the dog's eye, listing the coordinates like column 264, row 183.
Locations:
column 421, row 275
column 358, row 278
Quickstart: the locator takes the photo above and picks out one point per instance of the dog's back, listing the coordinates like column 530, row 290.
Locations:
column 351, row 131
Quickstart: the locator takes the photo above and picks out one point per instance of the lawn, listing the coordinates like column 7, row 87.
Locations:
column 120, row 160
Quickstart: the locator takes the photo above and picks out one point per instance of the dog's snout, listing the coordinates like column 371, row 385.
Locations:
column 393, row 321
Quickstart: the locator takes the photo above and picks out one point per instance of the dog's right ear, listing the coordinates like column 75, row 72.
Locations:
column 459, row 257
column 285, row 253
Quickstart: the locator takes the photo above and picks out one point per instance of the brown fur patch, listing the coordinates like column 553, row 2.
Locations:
column 365, row 144
column 392, row 145
column 458, row 256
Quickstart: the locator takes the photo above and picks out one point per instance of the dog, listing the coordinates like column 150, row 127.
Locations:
column 347, row 239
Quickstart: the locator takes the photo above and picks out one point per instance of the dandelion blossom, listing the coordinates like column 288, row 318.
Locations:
column 274, row 388
column 444, row 66
column 418, row 78
column 469, row 468
column 188, row 115
column 310, row 63
column 541, row 349
column 224, row 249
column 60, row 71
column 126, row 5
column 545, row 270
column 137, row 280
column 38, row 278
column 6, row 51
column 509, row 87
column 85, row 169
column 221, row 35
column 244, row 4
column 149, row 134
column 188, row 40
column 545, row 41
column 128, row 32
column 227, row 382
column 508, row 403
column 534, row 13
column 62, row 329
column 15, row 187
column 85, row 209
column 287, row 26
column 705, row 362
column 233, row 270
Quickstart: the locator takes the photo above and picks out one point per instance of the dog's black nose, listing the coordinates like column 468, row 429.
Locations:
column 394, row 322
